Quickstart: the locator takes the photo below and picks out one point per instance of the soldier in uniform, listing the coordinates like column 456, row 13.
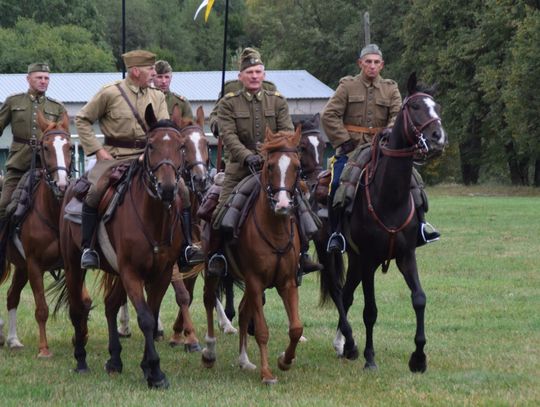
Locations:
column 362, row 106
column 20, row 110
column 243, row 116
column 162, row 81
column 125, row 133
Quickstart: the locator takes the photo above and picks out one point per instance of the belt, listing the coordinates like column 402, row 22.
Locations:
column 135, row 144
column 28, row 141
column 358, row 129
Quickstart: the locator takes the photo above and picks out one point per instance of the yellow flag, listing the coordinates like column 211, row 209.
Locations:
column 205, row 3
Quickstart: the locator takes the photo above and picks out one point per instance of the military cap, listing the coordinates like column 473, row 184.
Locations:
column 370, row 49
column 139, row 57
column 163, row 67
column 38, row 67
column 249, row 57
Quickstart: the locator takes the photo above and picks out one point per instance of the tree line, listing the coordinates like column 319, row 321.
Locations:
column 483, row 55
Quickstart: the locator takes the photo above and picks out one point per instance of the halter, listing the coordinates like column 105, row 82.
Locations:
column 271, row 191
column 149, row 171
column 48, row 172
column 186, row 173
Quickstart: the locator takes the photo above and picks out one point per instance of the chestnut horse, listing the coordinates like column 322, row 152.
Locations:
column 146, row 236
column 33, row 247
column 382, row 225
column 266, row 255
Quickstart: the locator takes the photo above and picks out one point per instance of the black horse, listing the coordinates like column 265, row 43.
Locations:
column 382, row 225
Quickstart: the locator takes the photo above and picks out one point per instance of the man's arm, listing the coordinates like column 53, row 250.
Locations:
column 5, row 116
column 227, row 127
column 395, row 106
column 332, row 117
column 84, row 120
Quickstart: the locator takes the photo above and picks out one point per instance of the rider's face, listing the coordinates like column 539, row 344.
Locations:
column 252, row 78
column 371, row 65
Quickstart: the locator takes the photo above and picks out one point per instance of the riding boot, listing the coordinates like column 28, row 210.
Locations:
column 217, row 263
column 89, row 257
column 190, row 254
column 4, row 223
column 336, row 241
column 426, row 232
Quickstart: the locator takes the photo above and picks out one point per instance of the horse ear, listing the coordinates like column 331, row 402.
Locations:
column 64, row 123
column 200, row 116
column 411, row 84
column 150, row 116
column 42, row 122
column 297, row 135
column 176, row 116
column 268, row 135
column 316, row 121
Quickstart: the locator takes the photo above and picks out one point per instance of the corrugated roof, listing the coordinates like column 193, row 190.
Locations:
column 195, row 86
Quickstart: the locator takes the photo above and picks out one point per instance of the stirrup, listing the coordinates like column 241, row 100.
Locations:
column 193, row 255
column 217, row 266
column 336, row 243
column 89, row 259
column 429, row 233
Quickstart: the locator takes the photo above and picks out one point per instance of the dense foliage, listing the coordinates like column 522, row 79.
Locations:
column 484, row 56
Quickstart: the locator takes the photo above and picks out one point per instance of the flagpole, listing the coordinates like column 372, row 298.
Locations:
column 123, row 36
column 223, row 69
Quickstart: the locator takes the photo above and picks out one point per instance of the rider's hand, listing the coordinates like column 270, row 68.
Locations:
column 254, row 161
column 345, row 148
column 103, row 154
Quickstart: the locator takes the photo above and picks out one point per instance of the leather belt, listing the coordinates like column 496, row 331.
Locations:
column 135, row 144
column 28, row 141
column 359, row 129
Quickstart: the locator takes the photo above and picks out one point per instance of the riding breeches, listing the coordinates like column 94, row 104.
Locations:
column 11, row 179
column 229, row 183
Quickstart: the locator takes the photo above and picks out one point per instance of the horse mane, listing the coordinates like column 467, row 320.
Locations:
column 280, row 140
column 164, row 123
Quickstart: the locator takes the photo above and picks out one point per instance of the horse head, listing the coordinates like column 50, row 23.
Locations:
column 196, row 151
column 281, row 169
column 421, row 120
column 56, row 153
column 163, row 157
column 311, row 147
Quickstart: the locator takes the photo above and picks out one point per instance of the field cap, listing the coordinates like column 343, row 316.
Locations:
column 163, row 67
column 38, row 67
column 139, row 57
column 249, row 57
column 370, row 49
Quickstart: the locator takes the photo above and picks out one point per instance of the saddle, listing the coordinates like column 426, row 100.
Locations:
column 21, row 199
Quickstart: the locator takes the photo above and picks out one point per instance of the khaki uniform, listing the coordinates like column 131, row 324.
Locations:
column 242, row 120
column 116, row 121
column 20, row 110
column 360, row 103
column 184, row 105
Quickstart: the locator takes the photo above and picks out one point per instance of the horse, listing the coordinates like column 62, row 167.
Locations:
column 265, row 255
column 146, row 235
column 382, row 225
column 33, row 247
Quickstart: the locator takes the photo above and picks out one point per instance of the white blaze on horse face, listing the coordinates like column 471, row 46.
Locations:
column 166, row 137
column 196, row 138
column 59, row 143
column 314, row 140
column 283, row 201
column 433, row 113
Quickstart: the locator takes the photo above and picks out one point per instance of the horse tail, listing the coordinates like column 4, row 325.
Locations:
column 57, row 291
column 5, row 272
column 108, row 283
column 332, row 277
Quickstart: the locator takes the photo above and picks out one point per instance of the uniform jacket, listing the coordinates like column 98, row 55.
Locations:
column 115, row 117
column 243, row 118
column 19, row 110
column 359, row 103
column 184, row 105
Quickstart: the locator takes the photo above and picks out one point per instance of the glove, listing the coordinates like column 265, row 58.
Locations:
column 345, row 148
column 254, row 161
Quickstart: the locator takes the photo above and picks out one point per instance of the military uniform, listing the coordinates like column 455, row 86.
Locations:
column 20, row 110
column 242, row 120
column 118, row 124
column 184, row 105
column 360, row 103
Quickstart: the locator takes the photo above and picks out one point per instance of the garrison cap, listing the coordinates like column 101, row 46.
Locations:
column 139, row 57
column 370, row 49
column 249, row 57
column 163, row 67
column 38, row 67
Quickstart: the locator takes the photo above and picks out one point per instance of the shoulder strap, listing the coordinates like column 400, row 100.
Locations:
column 135, row 113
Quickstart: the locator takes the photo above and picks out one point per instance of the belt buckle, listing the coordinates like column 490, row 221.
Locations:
column 33, row 142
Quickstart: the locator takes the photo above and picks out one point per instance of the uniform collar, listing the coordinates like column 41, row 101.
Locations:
column 39, row 97
column 250, row 96
column 376, row 82
column 134, row 87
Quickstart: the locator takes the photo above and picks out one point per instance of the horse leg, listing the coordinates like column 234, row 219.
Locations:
column 223, row 321
column 208, row 354
column 228, row 283
column 191, row 343
column 408, row 267
column 370, row 317
column 124, row 331
column 20, row 278
column 289, row 295
column 177, row 337
column 115, row 299
column 244, row 316
column 42, row 309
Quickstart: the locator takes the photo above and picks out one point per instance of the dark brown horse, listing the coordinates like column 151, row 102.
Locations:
column 382, row 225
column 266, row 255
column 33, row 247
column 145, row 235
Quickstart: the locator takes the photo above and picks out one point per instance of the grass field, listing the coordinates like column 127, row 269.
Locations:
column 482, row 282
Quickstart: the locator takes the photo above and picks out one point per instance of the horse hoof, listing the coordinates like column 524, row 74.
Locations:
column 44, row 354
column 229, row 329
column 159, row 337
column 124, row 335
column 303, row 339
column 159, row 384
column 282, row 364
column 351, row 354
column 418, row 362
column 81, row 369
column 370, row 366
column 207, row 359
column 247, row 365
column 192, row 347
column 14, row 344
column 112, row 368
column 269, row 380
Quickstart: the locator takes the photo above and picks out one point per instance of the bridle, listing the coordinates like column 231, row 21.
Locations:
column 47, row 171
column 187, row 171
column 306, row 173
column 272, row 190
column 149, row 170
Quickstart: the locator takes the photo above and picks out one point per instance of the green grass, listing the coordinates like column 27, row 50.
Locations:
column 482, row 324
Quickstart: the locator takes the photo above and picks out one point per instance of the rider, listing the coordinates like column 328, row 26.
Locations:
column 362, row 106
column 242, row 119
column 124, row 128
column 191, row 254
column 20, row 110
